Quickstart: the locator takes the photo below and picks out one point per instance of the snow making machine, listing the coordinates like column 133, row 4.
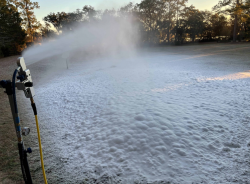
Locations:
column 24, row 83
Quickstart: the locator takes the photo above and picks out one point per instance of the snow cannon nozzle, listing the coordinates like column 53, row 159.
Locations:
column 21, row 63
column 25, row 82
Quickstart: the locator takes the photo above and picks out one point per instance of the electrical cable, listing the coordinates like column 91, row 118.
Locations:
column 39, row 138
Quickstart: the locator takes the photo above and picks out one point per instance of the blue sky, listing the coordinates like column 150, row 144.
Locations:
column 47, row 6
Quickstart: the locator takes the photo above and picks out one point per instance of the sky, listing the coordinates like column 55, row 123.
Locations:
column 47, row 6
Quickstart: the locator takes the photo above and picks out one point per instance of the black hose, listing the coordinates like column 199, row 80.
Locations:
column 14, row 90
column 21, row 152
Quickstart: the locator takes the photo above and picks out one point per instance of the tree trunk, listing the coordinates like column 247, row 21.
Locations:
column 235, row 29
column 28, row 19
column 177, row 23
column 235, row 25
column 168, row 33
column 169, row 21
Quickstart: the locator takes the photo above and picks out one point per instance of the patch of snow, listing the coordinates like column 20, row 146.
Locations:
column 160, row 118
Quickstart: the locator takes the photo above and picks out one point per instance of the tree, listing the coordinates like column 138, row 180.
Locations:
column 247, row 28
column 245, row 19
column 108, row 14
column 151, row 13
column 11, row 33
column 128, row 10
column 57, row 20
column 179, row 28
column 29, row 19
column 219, row 25
column 63, row 21
column 170, row 17
column 90, row 13
column 194, row 22
column 233, row 8
column 46, row 31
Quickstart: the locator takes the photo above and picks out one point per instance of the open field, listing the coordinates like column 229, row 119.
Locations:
column 168, row 114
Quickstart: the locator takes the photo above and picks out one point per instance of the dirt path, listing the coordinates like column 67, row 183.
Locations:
column 4, row 179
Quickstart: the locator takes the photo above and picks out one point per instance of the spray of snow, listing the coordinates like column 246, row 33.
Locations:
column 99, row 38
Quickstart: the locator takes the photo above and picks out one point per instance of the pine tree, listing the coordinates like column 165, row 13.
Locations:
column 233, row 8
column 29, row 19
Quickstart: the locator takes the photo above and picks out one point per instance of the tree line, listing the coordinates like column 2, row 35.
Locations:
column 18, row 25
column 159, row 21
column 169, row 21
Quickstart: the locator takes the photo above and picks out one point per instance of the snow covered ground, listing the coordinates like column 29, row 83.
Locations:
column 175, row 114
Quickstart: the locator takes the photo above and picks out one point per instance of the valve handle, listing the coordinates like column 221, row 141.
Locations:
column 21, row 77
column 29, row 150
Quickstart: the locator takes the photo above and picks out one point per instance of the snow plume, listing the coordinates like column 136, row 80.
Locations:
column 106, row 37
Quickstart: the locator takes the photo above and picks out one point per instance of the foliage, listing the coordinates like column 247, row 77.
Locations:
column 219, row 25
column 12, row 36
column 90, row 13
column 194, row 22
column 29, row 21
column 159, row 21
column 239, row 11
column 64, row 21
column 46, row 31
